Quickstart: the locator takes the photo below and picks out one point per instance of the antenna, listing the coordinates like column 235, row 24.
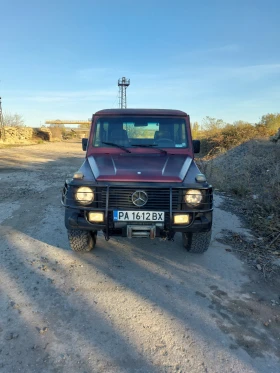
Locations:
column 2, row 130
column 123, row 83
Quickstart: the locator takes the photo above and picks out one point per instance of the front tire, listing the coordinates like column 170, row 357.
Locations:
column 81, row 241
column 196, row 242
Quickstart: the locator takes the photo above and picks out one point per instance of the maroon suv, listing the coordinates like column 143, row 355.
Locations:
column 139, row 179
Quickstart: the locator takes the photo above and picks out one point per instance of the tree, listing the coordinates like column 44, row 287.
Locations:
column 270, row 121
column 241, row 123
column 213, row 124
column 13, row 120
column 195, row 130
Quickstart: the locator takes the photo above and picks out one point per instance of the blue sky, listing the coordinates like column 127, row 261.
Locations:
column 62, row 59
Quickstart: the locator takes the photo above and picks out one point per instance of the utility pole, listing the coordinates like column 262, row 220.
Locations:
column 2, row 130
column 123, row 83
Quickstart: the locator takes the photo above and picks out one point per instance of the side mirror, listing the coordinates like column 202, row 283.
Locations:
column 84, row 144
column 196, row 146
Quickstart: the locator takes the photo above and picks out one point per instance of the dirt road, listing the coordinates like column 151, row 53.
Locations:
column 128, row 306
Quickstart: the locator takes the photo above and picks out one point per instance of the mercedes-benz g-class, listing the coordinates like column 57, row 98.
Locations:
column 139, row 179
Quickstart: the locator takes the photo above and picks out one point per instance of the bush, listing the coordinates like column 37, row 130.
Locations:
column 219, row 140
column 57, row 131
column 271, row 121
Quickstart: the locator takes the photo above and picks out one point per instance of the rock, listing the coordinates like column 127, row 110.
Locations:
column 259, row 267
column 14, row 305
column 17, row 134
column 42, row 330
column 276, row 262
column 10, row 336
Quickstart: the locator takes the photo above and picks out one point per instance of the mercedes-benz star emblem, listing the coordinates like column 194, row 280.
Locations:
column 139, row 198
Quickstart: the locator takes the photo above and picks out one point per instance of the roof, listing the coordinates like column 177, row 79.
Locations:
column 158, row 112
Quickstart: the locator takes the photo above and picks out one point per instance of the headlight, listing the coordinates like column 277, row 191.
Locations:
column 193, row 197
column 84, row 195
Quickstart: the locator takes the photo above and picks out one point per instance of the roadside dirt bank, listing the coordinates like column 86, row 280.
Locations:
column 128, row 306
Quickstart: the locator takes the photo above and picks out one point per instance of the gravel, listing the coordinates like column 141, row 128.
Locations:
column 130, row 305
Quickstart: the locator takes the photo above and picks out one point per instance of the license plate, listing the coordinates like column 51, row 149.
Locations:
column 138, row 215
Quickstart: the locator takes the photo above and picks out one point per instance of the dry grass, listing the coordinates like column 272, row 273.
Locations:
column 251, row 171
column 57, row 132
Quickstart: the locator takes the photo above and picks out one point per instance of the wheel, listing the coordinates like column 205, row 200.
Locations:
column 196, row 242
column 81, row 241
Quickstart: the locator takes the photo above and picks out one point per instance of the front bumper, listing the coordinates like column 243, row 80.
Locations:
column 107, row 202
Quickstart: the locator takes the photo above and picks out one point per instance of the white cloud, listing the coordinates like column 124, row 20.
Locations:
column 253, row 71
column 69, row 96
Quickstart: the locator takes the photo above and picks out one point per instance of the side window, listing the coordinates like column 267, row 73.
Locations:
column 180, row 135
column 105, row 130
column 101, row 133
column 176, row 133
column 96, row 139
column 129, row 128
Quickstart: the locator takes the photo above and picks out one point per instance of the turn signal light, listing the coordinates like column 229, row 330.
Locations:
column 78, row 175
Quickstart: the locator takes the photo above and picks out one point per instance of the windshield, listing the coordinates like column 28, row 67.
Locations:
column 141, row 131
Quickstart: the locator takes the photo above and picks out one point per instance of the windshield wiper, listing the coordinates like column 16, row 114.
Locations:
column 150, row 146
column 117, row 146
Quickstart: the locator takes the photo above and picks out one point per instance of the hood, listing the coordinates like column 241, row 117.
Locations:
column 140, row 168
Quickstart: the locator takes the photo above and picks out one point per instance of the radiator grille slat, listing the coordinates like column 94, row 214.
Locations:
column 158, row 199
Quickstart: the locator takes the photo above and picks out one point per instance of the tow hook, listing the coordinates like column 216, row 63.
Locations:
column 106, row 236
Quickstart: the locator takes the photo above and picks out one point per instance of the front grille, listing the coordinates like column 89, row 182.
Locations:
column 158, row 199
column 120, row 198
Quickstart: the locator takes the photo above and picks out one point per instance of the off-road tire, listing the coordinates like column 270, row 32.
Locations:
column 81, row 241
column 196, row 242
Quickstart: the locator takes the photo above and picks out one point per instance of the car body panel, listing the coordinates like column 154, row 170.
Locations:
column 147, row 168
